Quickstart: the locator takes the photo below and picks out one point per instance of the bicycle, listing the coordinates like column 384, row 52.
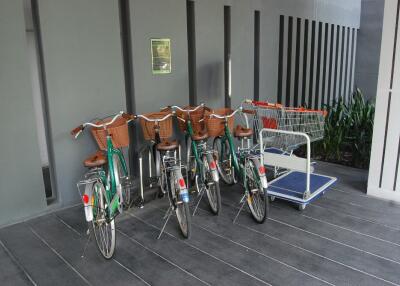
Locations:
column 103, row 196
column 157, row 127
column 201, row 167
column 243, row 165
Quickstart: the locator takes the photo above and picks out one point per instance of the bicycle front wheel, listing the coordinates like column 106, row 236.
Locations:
column 224, row 160
column 122, row 188
column 103, row 226
column 257, row 198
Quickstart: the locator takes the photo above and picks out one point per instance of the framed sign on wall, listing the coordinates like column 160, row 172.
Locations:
column 161, row 56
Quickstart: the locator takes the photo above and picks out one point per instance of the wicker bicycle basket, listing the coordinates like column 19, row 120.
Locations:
column 215, row 126
column 195, row 118
column 118, row 132
column 148, row 127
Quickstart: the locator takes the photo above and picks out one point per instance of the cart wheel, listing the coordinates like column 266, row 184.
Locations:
column 301, row 207
column 271, row 198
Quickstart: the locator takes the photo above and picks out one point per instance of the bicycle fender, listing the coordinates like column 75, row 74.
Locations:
column 261, row 172
column 213, row 168
column 181, row 184
column 88, row 204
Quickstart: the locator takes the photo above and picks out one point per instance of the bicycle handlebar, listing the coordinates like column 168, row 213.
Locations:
column 154, row 120
column 226, row 116
column 78, row 130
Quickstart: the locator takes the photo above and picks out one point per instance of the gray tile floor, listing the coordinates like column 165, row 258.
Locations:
column 344, row 238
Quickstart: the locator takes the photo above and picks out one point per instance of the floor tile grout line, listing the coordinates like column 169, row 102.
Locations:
column 335, row 241
column 391, row 204
column 351, row 230
column 266, row 256
column 131, row 272
column 19, row 265
column 357, row 205
column 260, row 253
column 314, row 253
column 59, row 255
column 117, row 262
column 356, row 217
column 162, row 257
column 68, row 226
column 344, row 228
column 321, row 256
column 205, row 252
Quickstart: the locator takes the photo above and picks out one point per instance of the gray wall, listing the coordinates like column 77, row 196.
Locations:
column 369, row 45
column 21, row 184
column 84, row 76
column 159, row 19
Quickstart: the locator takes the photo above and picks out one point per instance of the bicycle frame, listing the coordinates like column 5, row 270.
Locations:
column 110, row 183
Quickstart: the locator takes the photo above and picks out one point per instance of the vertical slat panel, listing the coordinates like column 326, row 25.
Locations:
column 298, row 70
column 337, row 61
column 343, row 63
column 353, row 62
column 293, row 63
column 306, row 59
column 317, row 94
column 332, row 60
column 280, row 62
column 289, row 49
column 311, row 85
column 324, row 92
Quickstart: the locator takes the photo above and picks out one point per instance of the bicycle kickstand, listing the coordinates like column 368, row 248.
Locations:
column 166, row 217
column 242, row 201
column 201, row 194
column 89, row 234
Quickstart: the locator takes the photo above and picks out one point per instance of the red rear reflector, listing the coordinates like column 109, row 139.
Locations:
column 85, row 199
column 212, row 165
column 182, row 183
column 261, row 169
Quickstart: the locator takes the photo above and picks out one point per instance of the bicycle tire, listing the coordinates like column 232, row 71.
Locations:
column 182, row 209
column 224, row 165
column 105, row 237
column 118, row 174
column 257, row 198
column 191, row 162
column 213, row 195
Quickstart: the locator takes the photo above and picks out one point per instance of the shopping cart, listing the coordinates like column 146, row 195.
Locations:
column 281, row 130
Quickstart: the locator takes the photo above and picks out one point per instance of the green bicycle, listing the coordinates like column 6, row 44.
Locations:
column 201, row 167
column 106, row 185
column 243, row 165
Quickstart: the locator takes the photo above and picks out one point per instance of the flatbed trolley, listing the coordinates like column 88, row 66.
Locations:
column 280, row 131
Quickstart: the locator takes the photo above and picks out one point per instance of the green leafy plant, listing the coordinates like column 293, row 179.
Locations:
column 348, row 132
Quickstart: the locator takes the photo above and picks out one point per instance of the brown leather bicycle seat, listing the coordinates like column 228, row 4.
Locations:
column 241, row 131
column 167, row 145
column 201, row 135
column 95, row 160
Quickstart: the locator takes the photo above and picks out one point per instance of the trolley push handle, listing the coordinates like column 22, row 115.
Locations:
column 78, row 130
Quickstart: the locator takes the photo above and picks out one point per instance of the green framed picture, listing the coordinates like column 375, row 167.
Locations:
column 161, row 56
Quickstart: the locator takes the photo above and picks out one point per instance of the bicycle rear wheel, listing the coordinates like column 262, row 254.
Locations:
column 224, row 160
column 103, row 227
column 212, row 189
column 257, row 198
column 181, row 208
